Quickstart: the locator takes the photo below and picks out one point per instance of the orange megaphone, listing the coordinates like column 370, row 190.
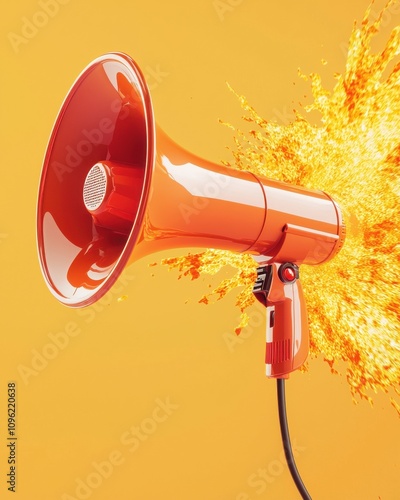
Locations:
column 114, row 188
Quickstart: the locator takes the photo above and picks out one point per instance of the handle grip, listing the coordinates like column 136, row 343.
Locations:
column 287, row 337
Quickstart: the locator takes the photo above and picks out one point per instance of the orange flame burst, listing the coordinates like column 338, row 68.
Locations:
column 354, row 155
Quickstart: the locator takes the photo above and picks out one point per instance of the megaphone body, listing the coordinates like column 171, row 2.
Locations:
column 115, row 187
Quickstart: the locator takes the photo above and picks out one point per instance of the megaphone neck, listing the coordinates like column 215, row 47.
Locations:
column 197, row 203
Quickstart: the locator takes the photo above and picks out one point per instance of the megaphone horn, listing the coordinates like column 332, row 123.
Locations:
column 115, row 187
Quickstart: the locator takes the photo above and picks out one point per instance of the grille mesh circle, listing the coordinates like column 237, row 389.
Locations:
column 95, row 187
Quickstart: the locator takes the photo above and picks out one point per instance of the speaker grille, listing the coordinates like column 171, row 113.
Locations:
column 95, row 187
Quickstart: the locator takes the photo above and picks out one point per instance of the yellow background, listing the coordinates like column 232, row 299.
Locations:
column 159, row 343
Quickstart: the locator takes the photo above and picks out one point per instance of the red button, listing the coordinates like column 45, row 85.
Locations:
column 289, row 274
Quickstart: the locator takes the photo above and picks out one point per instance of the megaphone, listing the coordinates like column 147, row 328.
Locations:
column 115, row 187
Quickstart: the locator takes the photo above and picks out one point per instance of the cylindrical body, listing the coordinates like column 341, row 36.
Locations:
column 196, row 203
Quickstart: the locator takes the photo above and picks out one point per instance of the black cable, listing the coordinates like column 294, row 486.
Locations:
column 286, row 440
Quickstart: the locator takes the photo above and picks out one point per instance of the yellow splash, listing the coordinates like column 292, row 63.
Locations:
column 354, row 155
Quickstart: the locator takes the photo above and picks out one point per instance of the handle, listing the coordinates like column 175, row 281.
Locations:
column 287, row 337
